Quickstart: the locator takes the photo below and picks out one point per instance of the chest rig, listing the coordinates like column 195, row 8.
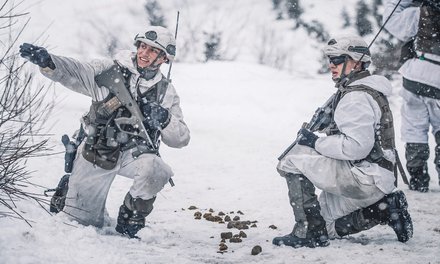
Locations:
column 105, row 140
column 427, row 39
column 384, row 135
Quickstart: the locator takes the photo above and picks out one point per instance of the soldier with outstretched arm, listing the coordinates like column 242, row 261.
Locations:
column 112, row 144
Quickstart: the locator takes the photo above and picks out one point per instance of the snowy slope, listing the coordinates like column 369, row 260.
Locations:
column 238, row 130
column 241, row 116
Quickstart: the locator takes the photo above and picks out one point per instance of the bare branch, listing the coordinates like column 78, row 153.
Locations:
column 23, row 111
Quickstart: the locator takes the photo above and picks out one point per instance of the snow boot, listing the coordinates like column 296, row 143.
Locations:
column 310, row 230
column 419, row 180
column 59, row 197
column 416, row 156
column 390, row 210
column 132, row 213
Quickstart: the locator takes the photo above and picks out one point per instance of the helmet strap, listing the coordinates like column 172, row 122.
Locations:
column 153, row 66
column 343, row 76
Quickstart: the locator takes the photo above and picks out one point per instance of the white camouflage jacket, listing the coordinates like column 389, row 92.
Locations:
column 357, row 117
column 80, row 77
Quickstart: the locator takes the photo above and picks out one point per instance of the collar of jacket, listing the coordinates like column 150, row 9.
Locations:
column 353, row 76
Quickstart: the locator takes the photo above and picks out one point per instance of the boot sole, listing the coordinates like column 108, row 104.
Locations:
column 400, row 218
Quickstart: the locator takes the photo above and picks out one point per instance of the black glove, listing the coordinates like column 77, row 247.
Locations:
column 36, row 55
column 307, row 138
column 155, row 115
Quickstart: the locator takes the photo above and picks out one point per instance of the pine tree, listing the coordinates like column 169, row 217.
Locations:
column 277, row 7
column 294, row 11
column 363, row 25
column 346, row 18
column 316, row 29
column 212, row 46
column 155, row 14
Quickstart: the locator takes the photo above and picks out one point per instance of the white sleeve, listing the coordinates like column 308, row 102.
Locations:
column 78, row 76
column 176, row 134
column 404, row 22
column 356, row 120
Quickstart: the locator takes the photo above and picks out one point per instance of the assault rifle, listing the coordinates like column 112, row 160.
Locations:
column 320, row 119
column 113, row 79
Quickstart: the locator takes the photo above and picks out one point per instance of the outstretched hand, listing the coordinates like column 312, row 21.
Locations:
column 36, row 55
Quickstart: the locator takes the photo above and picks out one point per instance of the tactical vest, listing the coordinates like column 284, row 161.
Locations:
column 384, row 137
column 427, row 39
column 428, row 35
column 105, row 141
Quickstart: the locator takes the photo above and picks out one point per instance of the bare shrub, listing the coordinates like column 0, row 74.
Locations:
column 23, row 111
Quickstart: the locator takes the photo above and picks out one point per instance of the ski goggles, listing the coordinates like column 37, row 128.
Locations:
column 336, row 60
column 152, row 36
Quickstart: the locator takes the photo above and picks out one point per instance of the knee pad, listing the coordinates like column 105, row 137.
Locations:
column 416, row 154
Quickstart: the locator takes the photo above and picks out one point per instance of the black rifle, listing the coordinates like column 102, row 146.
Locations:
column 113, row 80
column 321, row 118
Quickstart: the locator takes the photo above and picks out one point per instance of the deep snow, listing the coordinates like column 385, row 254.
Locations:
column 241, row 116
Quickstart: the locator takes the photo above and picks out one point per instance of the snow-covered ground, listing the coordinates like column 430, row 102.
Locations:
column 241, row 116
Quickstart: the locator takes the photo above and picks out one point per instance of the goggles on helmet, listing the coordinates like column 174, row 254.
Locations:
column 152, row 36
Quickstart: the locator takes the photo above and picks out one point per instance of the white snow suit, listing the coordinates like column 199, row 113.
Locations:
column 89, row 184
column 346, row 185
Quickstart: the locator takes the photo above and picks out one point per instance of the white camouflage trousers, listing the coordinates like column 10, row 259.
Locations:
column 418, row 113
column 342, row 191
column 89, row 185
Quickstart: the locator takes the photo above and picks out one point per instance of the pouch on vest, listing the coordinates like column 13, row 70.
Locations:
column 102, row 156
column 101, row 148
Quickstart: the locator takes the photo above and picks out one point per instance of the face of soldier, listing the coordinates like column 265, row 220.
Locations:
column 336, row 66
column 146, row 56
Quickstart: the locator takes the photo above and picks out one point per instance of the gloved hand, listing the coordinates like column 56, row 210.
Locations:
column 36, row 55
column 155, row 115
column 307, row 138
